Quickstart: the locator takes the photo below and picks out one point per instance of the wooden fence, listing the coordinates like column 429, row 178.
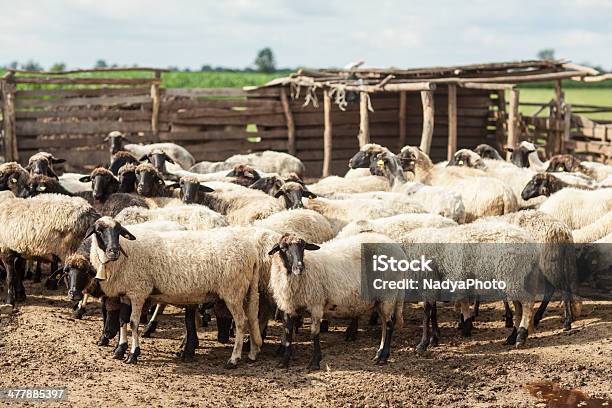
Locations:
column 71, row 116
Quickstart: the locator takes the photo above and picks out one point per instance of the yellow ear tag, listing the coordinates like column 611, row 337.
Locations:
column 381, row 164
column 560, row 168
column 460, row 162
column 13, row 180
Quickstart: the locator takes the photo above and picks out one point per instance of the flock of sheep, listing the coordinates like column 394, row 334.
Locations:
column 246, row 237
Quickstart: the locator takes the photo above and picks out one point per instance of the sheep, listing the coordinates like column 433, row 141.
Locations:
column 50, row 225
column 292, row 194
column 42, row 163
column 183, row 267
column 178, row 154
column 270, row 162
column 578, row 208
column 396, row 226
column 205, row 167
column 269, row 185
column 363, row 159
column 239, row 204
column 244, row 175
column 116, row 140
column 516, row 268
column 193, row 217
column 308, row 225
column 558, row 241
column 127, row 178
column 594, row 231
column 341, row 212
column 545, row 184
column 335, row 184
column 121, row 158
column 72, row 182
column 14, row 178
column 150, row 182
column 568, row 163
column 526, row 155
column 324, row 280
column 487, row 152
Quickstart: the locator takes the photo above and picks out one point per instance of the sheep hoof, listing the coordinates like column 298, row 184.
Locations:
column 79, row 313
column 434, row 341
column 511, row 340
column 421, row 349
column 186, row 356
column 521, row 337
column 103, row 341
column 150, row 329
column 120, row 350
column 509, row 323
column 567, row 326
column 230, row 365
column 132, row 358
column 381, row 357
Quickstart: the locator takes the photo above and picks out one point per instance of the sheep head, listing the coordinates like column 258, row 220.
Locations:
column 158, row 159
column 467, row 158
column 42, row 163
column 564, row 162
column 120, row 159
column 487, row 152
column 103, row 183
column 106, row 232
column 363, row 158
column 520, row 155
column 291, row 249
column 13, row 177
column 541, row 184
column 293, row 193
column 190, row 189
column 116, row 139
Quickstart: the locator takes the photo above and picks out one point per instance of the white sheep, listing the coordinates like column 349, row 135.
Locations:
column 178, row 153
column 306, row 224
column 45, row 226
column 326, row 280
column 578, row 208
column 341, row 212
column 336, row 184
column 183, row 267
column 594, row 231
column 193, row 217
column 72, row 183
column 396, row 226
column 270, row 162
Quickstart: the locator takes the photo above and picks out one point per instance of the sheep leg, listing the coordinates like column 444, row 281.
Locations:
column 468, row 319
column 508, row 318
column 187, row 353
column 224, row 322
column 28, row 271
column 19, row 274
column 241, row 322
column 80, row 310
column 548, row 294
column 388, row 324
column 137, row 305
column 434, row 339
column 315, row 330
column 351, row 330
column 523, row 330
column 9, row 266
column 518, row 315
column 152, row 325
column 477, row 306
column 373, row 318
column 285, row 349
column 124, row 318
column 253, row 320
column 421, row 348
column 51, row 282
column 103, row 340
column 569, row 312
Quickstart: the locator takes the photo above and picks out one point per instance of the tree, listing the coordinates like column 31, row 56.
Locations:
column 265, row 60
column 546, row 54
column 32, row 65
column 13, row 65
column 58, row 67
column 101, row 64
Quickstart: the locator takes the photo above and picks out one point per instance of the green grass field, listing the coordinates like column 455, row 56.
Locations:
column 580, row 96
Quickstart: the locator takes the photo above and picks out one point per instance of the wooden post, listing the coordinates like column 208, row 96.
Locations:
column 513, row 121
column 452, row 121
column 364, row 123
column 289, row 120
column 155, row 108
column 567, row 128
column 11, row 151
column 427, row 99
column 558, row 120
column 501, row 118
column 402, row 120
column 327, row 134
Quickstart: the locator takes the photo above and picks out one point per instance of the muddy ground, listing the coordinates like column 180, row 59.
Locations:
column 42, row 345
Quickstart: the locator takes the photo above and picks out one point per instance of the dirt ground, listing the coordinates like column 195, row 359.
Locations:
column 42, row 345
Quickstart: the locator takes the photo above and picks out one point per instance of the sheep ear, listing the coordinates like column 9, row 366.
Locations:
column 90, row 231
column 206, row 189
column 85, row 179
column 106, row 139
column 143, row 158
column 510, row 149
column 168, row 158
column 309, row 194
column 126, row 234
column 311, row 247
column 57, row 161
column 231, row 174
column 279, row 193
column 274, row 249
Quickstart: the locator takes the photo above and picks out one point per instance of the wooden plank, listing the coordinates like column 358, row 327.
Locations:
column 101, row 101
column 327, row 134
column 78, row 71
column 452, row 121
column 209, row 111
column 171, row 105
column 428, row 120
column 129, row 91
column 50, row 128
column 220, row 135
column 246, row 119
column 155, row 98
column 364, row 123
column 402, row 119
column 86, row 81
column 11, row 151
column 513, row 136
column 289, row 120
column 200, row 92
column 86, row 113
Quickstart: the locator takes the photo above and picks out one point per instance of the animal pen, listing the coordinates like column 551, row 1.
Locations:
column 321, row 116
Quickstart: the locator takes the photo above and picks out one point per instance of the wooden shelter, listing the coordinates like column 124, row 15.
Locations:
column 321, row 116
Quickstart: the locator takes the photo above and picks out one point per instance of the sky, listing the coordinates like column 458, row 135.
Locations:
column 312, row 33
